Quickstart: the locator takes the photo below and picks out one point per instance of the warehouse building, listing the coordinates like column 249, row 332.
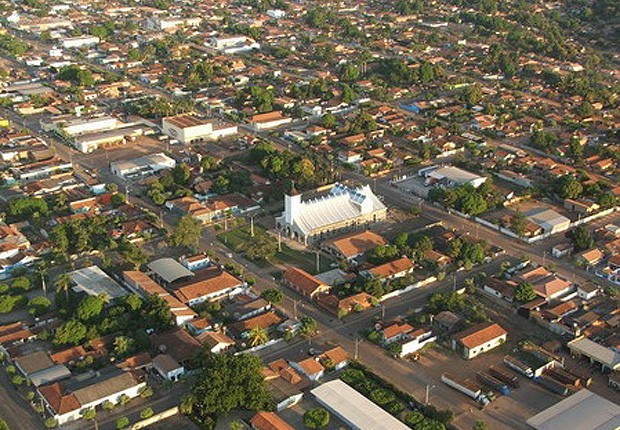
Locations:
column 142, row 166
column 353, row 408
column 190, row 129
column 583, row 410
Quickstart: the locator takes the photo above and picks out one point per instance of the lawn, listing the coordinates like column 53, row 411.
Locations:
column 237, row 239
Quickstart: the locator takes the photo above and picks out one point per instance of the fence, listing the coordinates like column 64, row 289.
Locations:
column 155, row 418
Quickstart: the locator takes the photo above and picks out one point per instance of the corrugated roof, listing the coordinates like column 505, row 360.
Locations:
column 169, row 269
column 355, row 409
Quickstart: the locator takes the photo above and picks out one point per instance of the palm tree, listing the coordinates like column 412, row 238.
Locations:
column 258, row 336
column 63, row 282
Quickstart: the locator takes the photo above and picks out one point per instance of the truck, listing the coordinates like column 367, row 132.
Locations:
column 493, row 383
column 467, row 387
column 563, row 376
column 505, row 377
column 553, row 385
column 518, row 366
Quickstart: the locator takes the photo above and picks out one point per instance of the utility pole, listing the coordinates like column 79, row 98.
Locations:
column 43, row 286
column 357, row 342
column 318, row 263
column 428, row 389
column 252, row 226
column 225, row 222
column 454, row 282
column 279, row 241
column 382, row 311
column 294, row 309
column 544, row 257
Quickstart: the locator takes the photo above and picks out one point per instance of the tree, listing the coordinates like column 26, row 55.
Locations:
column 181, row 174
column 186, row 232
column 70, row 333
column 349, row 72
column 146, row 413
column 273, row 296
column 308, row 326
column 227, row 382
column 568, row 187
column 4, row 425
column 518, row 224
column 262, row 248
column 122, row 423
column 329, row 120
column 258, row 336
column 317, row 418
column 89, row 414
column 38, row 305
column 132, row 254
column 525, row 292
column 236, row 425
column 50, row 423
column 21, row 284
column 123, row 345
column 63, row 282
column 472, row 95
column 581, row 237
column 90, row 307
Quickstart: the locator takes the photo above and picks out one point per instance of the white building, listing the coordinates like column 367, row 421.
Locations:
column 142, row 166
column 478, row 339
column 358, row 412
column 75, row 126
column 233, row 44
column 341, row 208
column 452, row 176
column 79, row 41
column 171, row 23
column 65, row 401
column 189, row 128
column 416, row 340
column 167, row 367
column 548, row 219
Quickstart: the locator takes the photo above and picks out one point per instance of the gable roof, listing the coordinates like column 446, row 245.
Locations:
column 303, row 281
column 391, row 268
column 479, row 334
column 356, row 243
column 269, row 421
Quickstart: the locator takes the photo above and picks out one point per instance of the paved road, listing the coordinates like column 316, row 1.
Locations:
column 14, row 409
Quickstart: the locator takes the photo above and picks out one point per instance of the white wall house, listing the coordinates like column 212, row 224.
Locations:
column 189, row 129
column 79, row 42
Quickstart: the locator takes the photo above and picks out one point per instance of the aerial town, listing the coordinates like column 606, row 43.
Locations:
column 292, row 214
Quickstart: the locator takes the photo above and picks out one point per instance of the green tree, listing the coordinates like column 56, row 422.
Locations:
column 258, row 336
column 329, row 120
column 273, row 296
column 146, row 413
column 518, row 224
column 524, row 292
column 50, row 423
column 63, row 283
column 90, row 307
column 123, row 345
column 186, row 232
column 89, row 414
column 308, row 326
column 317, row 418
column 227, row 382
column 70, row 333
column 581, row 237
column 568, row 187
column 122, row 423
column 38, row 305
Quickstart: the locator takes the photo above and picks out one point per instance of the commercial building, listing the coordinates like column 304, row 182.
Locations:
column 269, row 120
column 142, row 166
column 353, row 408
column 548, row 219
column 607, row 358
column 450, row 176
column 478, row 339
column 94, row 281
column 583, row 410
column 233, row 44
column 79, row 41
column 341, row 208
column 190, row 129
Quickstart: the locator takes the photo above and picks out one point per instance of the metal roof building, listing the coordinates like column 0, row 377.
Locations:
column 353, row 408
column 583, row 410
column 169, row 270
column 606, row 357
column 94, row 281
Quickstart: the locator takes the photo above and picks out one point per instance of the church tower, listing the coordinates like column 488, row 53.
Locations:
column 292, row 205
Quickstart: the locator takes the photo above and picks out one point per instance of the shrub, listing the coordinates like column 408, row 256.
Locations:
column 146, row 413
column 381, row 396
column 108, row 405
column 146, row 392
column 17, row 380
column 51, row 423
column 317, row 418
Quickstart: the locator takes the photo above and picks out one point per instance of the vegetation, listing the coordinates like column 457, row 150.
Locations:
column 226, row 382
column 317, row 418
column 186, row 232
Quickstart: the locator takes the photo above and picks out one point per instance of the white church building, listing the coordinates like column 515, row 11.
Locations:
column 341, row 208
